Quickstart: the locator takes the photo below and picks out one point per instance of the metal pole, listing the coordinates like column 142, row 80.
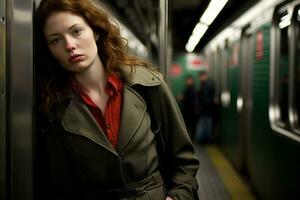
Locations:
column 163, row 36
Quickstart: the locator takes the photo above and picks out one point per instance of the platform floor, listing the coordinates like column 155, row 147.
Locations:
column 217, row 178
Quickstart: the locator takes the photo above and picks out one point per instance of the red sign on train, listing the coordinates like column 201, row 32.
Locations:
column 259, row 45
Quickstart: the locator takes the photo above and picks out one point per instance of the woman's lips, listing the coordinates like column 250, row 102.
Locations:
column 76, row 58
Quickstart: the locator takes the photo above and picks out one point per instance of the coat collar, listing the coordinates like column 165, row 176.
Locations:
column 136, row 75
column 139, row 75
column 77, row 119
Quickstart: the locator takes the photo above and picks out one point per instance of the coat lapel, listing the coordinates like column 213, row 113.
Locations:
column 133, row 112
column 79, row 120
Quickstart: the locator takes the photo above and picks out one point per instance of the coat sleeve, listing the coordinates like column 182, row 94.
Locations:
column 182, row 155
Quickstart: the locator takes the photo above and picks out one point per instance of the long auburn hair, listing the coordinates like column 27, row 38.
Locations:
column 53, row 79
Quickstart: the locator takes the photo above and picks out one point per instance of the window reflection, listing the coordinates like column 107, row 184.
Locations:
column 284, row 68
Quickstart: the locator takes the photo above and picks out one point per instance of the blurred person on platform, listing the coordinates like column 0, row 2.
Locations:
column 188, row 105
column 205, row 109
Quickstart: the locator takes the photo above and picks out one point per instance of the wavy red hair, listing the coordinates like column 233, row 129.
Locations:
column 111, row 46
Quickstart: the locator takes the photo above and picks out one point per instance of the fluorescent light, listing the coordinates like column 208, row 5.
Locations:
column 198, row 32
column 193, row 41
column 212, row 11
column 200, row 29
column 284, row 23
column 189, row 48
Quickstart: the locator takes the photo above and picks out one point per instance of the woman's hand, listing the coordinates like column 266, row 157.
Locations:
column 169, row 198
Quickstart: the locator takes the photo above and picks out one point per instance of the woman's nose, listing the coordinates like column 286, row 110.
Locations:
column 70, row 45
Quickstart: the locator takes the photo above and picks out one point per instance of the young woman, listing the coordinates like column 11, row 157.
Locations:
column 97, row 141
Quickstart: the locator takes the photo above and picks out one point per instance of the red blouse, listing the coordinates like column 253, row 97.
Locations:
column 110, row 121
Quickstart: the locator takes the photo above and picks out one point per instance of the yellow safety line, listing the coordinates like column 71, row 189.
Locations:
column 233, row 183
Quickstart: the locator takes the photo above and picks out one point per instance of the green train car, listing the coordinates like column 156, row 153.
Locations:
column 255, row 63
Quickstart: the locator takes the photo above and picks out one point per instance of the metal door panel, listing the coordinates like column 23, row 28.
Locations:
column 2, row 100
column 20, row 99
column 245, row 97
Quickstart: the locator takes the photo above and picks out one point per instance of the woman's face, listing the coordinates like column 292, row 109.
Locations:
column 71, row 41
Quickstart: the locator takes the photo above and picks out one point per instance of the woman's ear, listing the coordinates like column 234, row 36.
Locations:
column 96, row 35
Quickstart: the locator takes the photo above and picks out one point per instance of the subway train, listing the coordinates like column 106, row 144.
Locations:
column 256, row 68
column 255, row 65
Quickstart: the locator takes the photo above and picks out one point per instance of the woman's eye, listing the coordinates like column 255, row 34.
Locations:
column 77, row 32
column 54, row 41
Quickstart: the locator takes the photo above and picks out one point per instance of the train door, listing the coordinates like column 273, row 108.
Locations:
column 16, row 102
column 244, row 100
column 228, row 113
column 3, row 178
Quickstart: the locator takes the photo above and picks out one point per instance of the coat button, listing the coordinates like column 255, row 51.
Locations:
column 107, row 126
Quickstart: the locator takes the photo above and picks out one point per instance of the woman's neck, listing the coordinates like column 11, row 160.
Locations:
column 94, row 79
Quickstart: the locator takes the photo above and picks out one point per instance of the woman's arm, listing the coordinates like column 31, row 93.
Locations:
column 184, row 164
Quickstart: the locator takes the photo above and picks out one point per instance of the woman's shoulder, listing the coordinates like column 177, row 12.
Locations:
column 141, row 75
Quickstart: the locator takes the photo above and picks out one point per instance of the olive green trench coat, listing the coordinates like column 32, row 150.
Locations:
column 79, row 162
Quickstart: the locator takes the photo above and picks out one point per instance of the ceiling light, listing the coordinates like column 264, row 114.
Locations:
column 209, row 15
column 212, row 11
column 198, row 32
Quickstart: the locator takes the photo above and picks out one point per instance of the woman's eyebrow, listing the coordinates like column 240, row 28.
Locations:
column 74, row 25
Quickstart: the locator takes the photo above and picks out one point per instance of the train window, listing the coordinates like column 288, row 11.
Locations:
column 296, row 95
column 283, row 69
column 284, row 110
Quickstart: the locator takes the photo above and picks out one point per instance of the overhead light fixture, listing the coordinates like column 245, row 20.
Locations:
column 209, row 15
column 198, row 32
column 212, row 11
